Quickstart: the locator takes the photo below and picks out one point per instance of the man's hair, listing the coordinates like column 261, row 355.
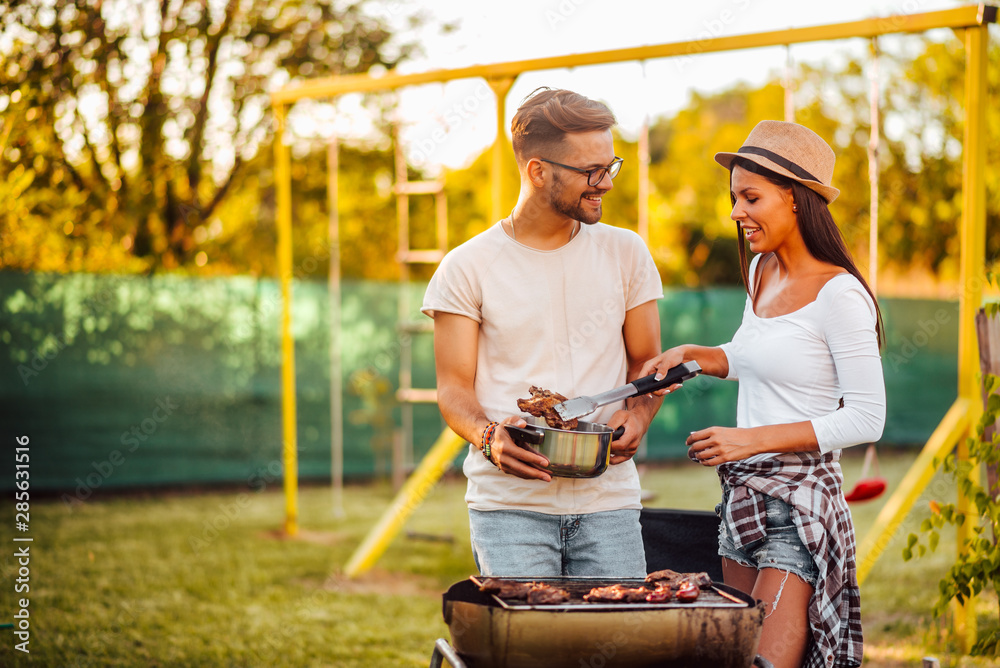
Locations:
column 546, row 115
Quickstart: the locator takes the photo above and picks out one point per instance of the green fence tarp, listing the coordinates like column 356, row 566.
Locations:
column 124, row 381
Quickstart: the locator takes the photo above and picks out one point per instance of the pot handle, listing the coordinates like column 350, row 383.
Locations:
column 525, row 437
column 617, row 433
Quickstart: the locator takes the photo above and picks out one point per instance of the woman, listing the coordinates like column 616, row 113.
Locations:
column 807, row 358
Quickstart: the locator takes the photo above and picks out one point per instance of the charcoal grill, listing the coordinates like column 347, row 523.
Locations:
column 719, row 630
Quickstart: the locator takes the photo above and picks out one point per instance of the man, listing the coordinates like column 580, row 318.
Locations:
column 549, row 297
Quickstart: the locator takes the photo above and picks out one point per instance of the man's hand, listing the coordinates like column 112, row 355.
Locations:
column 512, row 459
column 625, row 447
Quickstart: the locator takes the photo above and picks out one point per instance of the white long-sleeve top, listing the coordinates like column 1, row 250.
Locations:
column 798, row 366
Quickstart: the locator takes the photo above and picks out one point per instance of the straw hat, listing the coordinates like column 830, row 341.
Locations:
column 791, row 150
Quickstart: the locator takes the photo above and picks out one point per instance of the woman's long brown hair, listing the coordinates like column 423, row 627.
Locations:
column 819, row 232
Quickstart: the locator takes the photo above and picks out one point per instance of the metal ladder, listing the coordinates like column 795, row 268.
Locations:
column 407, row 328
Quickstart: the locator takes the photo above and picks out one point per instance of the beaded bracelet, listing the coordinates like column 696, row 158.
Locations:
column 488, row 439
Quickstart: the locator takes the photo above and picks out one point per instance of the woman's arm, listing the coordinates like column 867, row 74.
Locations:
column 849, row 329
column 712, row 360
column 717, row 445
column 850, row 333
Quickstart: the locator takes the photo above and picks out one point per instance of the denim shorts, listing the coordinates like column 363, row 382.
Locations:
column 781, row 548
column 512, row 543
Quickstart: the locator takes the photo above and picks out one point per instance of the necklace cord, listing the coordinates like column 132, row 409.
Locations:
column 513, row 234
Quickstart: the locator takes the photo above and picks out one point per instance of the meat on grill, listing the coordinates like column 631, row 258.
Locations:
column 541, row 404
column 661, row 594
column 506, row 588
column 543, row 594
column 535, row 593
column 662, row 587
column 615, row 593
column 673, row 578
column 665, row 575
column 687, row 592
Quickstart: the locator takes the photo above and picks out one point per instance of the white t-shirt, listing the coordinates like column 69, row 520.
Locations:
column 797, row 366
column 552, row 319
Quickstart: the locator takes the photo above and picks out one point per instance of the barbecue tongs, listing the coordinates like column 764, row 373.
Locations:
column 576, row 408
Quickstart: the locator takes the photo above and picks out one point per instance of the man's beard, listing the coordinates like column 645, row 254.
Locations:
column 573, row 207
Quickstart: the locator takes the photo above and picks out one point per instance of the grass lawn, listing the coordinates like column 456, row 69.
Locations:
column 205, row 579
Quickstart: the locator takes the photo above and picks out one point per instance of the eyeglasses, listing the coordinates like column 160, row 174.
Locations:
column 596, row 175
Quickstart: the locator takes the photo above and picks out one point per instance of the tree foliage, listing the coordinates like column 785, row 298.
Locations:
column 920, row 151
column 136, row 136
column 134, row 119
column 243, row 235
column 920, row 177
column 692, row 237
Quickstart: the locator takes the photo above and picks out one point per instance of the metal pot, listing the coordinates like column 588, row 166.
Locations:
column 584, row 452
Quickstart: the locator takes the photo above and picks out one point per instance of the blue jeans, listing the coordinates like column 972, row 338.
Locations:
column 781, row 548
column 521, row 543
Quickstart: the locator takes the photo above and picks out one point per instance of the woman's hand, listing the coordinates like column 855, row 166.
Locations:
column 713, row 362
column 718, row 445
column 661, row 364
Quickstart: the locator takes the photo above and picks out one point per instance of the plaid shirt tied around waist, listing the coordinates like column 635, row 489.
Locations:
column 810, row 483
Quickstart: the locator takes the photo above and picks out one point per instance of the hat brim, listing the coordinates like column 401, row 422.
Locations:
column 829, row 193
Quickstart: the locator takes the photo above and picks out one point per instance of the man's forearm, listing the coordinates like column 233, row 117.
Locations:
column 462, row 412
column 644, row 407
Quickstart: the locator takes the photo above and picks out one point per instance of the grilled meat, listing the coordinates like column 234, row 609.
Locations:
column 687, row 592
column 661, row 587
column 701, row 580
column 616, row 593
column 666, row 575
column 535, row 593
column 541, row 404
column 673, row 578
column 661, row 594
column 543, row 594
column 506, row 588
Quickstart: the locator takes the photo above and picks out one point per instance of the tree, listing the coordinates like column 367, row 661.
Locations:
column 920, row 151
column 243, row 235
column 922, row 85
column 692, row 237
column 138, row 117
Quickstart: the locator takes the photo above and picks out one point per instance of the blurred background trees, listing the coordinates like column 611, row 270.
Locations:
column 920, row 157
column 128, row 123
column 144, row 144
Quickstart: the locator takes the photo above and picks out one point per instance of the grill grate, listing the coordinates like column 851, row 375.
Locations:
column 715, row 597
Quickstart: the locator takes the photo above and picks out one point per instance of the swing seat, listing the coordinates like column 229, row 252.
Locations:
column 866, row 490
